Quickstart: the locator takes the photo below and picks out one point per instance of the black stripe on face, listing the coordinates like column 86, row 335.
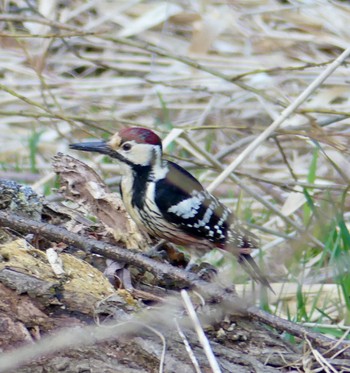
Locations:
column 141, row 178
column 120, row 158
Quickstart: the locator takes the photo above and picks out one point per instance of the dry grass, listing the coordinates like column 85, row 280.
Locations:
column 219, row 71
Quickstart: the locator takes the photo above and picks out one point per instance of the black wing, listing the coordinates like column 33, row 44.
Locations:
column 183, row 201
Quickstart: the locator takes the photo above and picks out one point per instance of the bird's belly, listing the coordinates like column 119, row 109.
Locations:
column 177, row 236
column 154, row 224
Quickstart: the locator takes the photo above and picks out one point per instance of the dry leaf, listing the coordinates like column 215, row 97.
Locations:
column 293, row 202
column 156, row 15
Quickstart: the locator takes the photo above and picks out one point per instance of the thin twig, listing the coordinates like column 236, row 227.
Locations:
column 255, row 195
column 47, row 36
column 161, row 337
column 320, row 359
column 284, row 115
column 188, row 348
column 200, row 332
column 36, row 104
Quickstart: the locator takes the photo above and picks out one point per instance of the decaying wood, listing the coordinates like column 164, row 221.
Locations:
column 142, row 348
column 27, row 271
column 35, row 302
column 82, row 185
column 51, row 232
column 240, row 346
column 20, row 199
column 162, row 271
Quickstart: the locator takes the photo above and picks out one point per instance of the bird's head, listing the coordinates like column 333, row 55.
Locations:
column 131, row 146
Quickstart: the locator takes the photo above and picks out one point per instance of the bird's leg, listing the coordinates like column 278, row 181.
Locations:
column 204, row 270
column 159, row 245
column 165, row 251
column 157, row 251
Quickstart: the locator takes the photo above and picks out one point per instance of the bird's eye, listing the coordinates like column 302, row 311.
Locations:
column 127, row 146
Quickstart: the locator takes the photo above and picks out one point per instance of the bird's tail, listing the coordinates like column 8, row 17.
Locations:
column 249, row 265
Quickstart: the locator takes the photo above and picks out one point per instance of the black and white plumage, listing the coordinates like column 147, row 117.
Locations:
column 169, row 203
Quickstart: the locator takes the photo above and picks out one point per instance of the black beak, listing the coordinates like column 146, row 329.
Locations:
column 93, row 146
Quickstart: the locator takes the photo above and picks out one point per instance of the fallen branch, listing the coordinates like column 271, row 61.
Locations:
column 55, row 233
column 167, row 272
column 330, row 345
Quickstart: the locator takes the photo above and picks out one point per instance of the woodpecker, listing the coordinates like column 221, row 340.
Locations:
column 169, row 203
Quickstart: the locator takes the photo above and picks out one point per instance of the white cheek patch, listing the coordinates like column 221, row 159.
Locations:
column 140, row 154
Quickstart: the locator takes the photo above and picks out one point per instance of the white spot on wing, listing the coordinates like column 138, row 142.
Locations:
column 206, row 218
column 187, row 208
